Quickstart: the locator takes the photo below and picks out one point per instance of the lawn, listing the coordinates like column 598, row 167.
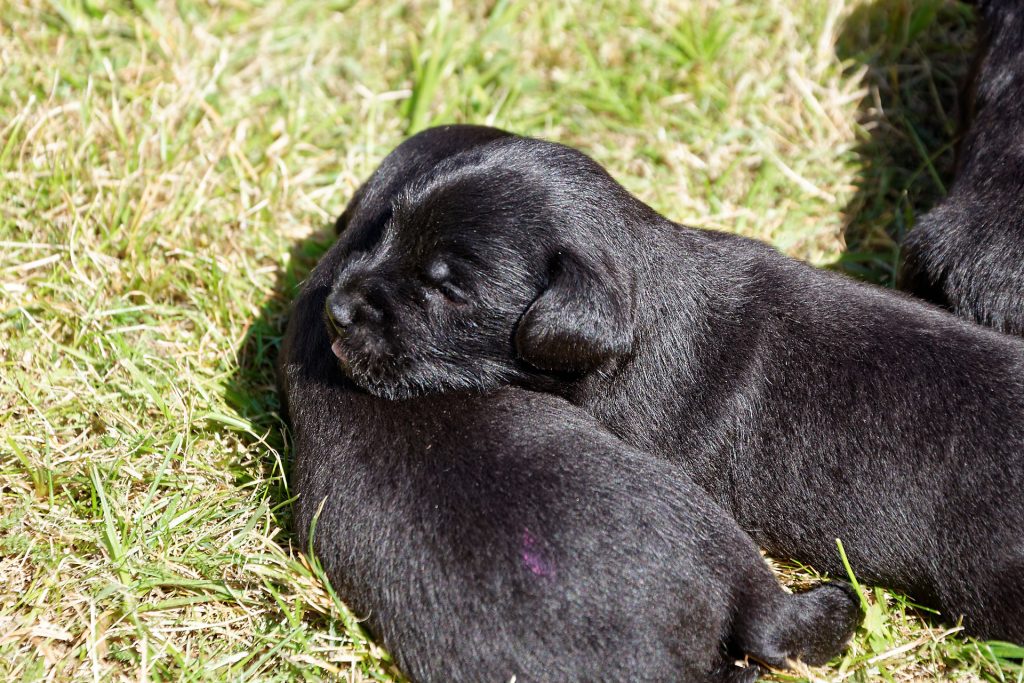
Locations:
column 167, row 172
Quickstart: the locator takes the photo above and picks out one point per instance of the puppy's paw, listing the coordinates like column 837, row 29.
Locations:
column 828, row 615
column 811, row 627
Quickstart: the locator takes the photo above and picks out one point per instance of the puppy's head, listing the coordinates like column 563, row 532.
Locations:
column 494, row 264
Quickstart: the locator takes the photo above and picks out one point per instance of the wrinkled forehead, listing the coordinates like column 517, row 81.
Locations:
column 362, row 223
column 468, row 212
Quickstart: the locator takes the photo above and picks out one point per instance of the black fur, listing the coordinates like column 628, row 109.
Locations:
column 967, row 253
column 486, row 537
column 810, row 406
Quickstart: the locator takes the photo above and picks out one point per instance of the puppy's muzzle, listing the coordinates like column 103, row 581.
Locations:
column 356, row 313
column 352, row 306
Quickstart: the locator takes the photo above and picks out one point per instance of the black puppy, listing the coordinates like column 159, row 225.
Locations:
column 510, row 535
column 810, row 406
column 967, row 253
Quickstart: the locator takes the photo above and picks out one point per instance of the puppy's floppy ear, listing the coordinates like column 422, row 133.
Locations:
column 582, row 319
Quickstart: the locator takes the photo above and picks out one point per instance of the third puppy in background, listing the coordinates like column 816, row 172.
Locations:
column 967, row 253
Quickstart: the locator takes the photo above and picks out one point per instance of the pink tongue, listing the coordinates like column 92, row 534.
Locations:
column 338, row 350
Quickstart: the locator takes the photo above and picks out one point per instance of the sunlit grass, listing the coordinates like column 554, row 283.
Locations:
column 167, row 168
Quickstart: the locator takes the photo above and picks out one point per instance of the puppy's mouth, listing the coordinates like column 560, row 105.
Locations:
column 338, row 349
column 367, row 361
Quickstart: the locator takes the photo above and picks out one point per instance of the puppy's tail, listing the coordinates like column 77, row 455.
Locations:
column 812, row 627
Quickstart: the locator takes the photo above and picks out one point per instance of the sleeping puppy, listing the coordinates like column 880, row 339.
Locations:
column 967, row 253
column 809, row 406
column 510, row 537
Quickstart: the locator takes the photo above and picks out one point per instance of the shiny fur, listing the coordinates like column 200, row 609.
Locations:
column 810, row 406
column 486, row 537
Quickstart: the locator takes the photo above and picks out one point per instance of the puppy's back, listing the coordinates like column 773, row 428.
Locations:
column 485, row 537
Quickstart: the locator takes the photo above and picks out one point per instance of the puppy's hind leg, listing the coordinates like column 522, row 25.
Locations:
column 812, row 627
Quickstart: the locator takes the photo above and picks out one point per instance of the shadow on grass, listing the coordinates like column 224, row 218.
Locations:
column 917, row 53
column 252, row 392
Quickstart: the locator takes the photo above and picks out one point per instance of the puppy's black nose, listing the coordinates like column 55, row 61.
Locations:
column 342, row 311
column 348, row 308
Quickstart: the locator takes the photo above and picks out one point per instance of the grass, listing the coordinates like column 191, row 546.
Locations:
column 166, row 172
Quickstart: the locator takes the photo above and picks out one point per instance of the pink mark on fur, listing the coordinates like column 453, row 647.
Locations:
column 532, row 557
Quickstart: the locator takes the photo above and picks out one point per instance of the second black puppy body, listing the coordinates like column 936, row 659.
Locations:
column 968, row 252
column 810, row 406
column 485, row 537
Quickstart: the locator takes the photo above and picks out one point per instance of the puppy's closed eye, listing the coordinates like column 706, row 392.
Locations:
column 439, row 275
column 439, row 271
